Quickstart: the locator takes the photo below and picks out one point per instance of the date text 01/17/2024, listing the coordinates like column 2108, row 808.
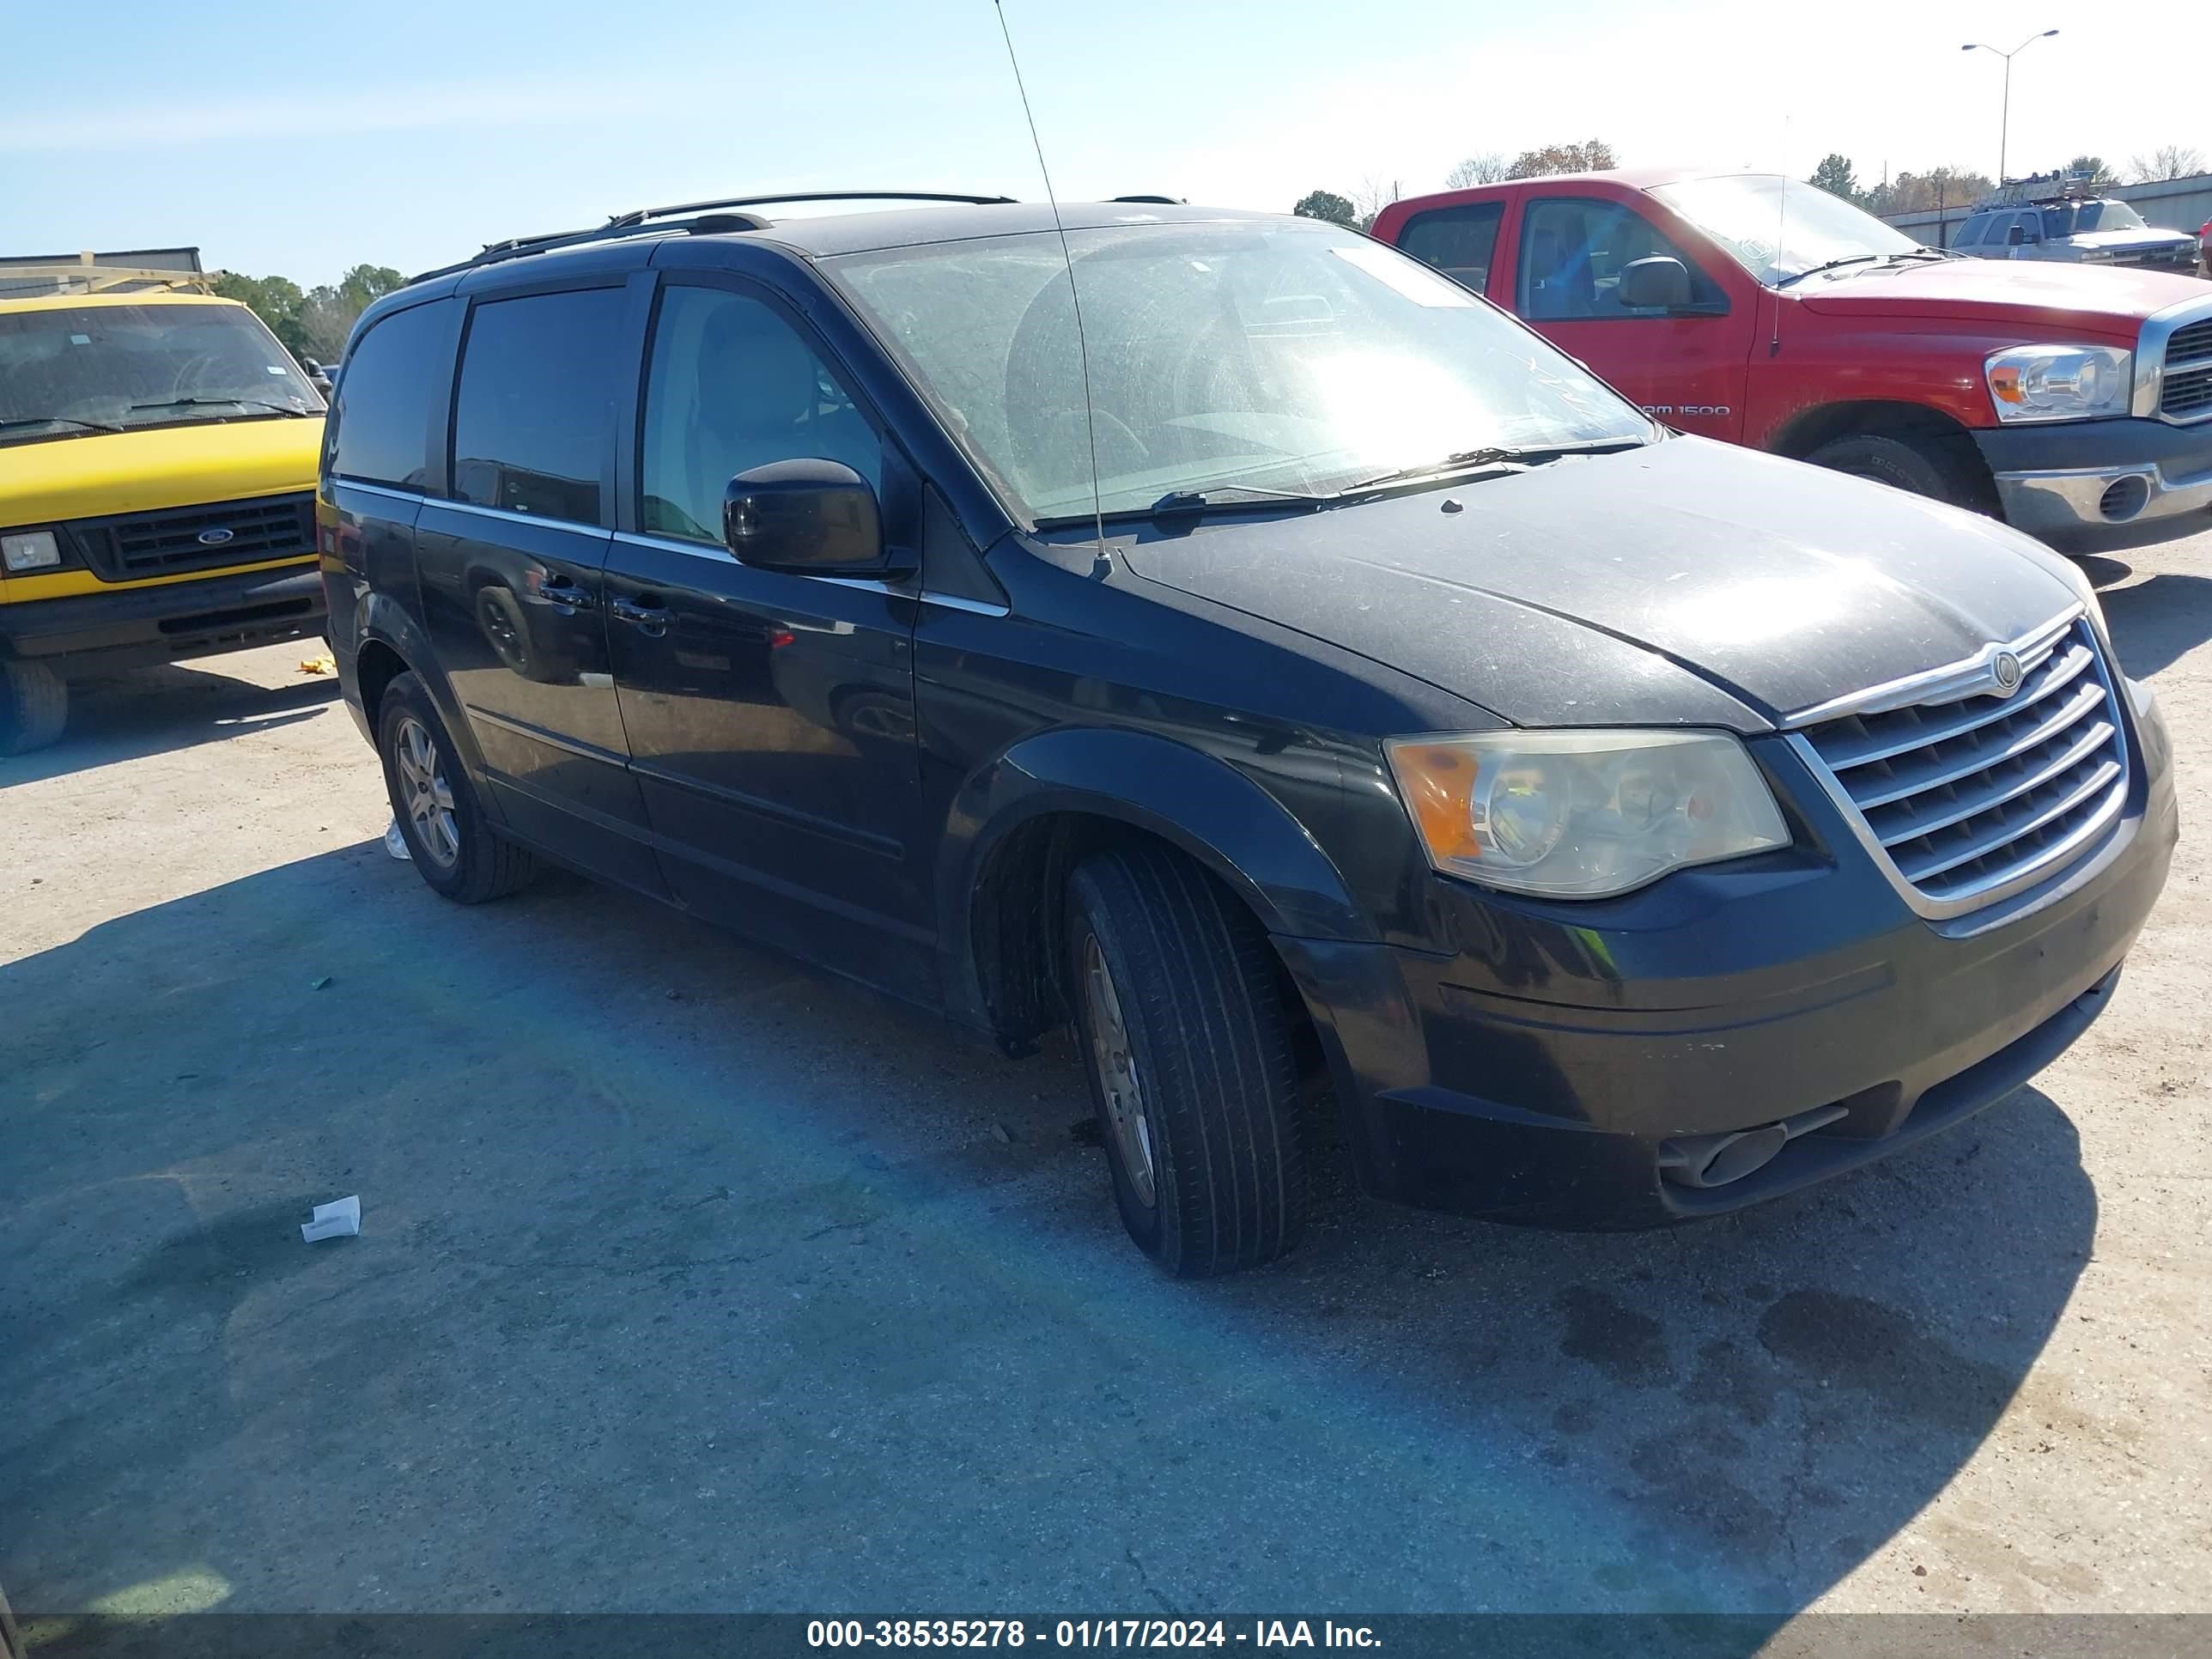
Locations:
column 1084, row 1633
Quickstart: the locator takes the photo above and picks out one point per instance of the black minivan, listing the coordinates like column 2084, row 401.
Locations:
column 1221, row 632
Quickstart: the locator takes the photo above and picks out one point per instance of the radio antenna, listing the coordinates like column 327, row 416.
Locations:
column 1067, row 257
column 1781, row 238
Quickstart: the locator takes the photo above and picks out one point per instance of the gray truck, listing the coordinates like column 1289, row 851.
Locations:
column 2061, row 216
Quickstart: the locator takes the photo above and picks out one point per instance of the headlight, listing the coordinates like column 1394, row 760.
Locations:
column 30, row 549
column 1582, row 814
column 2060, row 382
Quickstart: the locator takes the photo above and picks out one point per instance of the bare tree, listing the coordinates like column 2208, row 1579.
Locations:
column 1487, row 168
column 2167, row 161
column 1372, row 197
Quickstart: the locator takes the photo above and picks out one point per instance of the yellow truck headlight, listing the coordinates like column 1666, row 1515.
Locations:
column 30, row 549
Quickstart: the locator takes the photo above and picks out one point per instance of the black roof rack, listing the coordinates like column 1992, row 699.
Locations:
column 705, row 218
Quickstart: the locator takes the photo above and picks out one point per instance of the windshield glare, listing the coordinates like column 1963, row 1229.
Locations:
column 2080, row 218
column 1776, row 229
column 1279, row 357
column 96, row 363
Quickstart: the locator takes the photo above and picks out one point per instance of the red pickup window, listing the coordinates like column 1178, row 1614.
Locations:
column 1457, row 241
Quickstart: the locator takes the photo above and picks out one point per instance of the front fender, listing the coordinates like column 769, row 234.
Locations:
column 1191, row 800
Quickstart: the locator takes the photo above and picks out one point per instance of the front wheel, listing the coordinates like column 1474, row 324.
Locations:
column 1187, row 1047
column 1924, row 466
column 33, row 707
column 448, row 837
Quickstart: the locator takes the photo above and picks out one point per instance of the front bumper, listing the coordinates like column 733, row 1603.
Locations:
column 1572, row 1066
column 132, row 627
column 2094, row 486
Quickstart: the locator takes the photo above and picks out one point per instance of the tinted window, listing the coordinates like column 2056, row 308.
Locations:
column 380, row 422
column 1971, row 232
column 1457, row 241
column 533, row 425
column 732, row 386
column 1572, row 253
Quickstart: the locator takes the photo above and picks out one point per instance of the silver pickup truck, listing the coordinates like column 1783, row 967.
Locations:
column 2051, row 217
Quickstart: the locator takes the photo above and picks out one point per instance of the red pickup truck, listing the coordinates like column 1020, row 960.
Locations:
column 2074, row 402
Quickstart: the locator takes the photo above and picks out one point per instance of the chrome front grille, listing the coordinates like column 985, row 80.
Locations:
column 2186, row 384
column 1971, row 795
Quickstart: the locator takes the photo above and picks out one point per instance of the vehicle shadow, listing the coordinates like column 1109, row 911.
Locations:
column 690, row 1281
column 2157, row 620
column 171, row 706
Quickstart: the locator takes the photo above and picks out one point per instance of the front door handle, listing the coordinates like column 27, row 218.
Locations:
column 563, row 593
column 652, row 618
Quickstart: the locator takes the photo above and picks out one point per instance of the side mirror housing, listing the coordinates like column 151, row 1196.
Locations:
column 1659, row 281
column 814, row 516
column 2015, row 235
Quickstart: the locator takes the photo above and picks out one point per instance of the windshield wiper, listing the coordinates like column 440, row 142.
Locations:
column 223, row 403
column 1192, row 503
column 1832, row 265
column 58, row 420
column 1504, row 457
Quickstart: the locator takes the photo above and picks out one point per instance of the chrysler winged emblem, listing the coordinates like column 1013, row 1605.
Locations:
column 2004, row 672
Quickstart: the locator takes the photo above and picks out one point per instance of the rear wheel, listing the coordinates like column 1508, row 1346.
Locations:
column 1188, row 1048
column 33, row 707
column 451, row 842
column 1924, row 465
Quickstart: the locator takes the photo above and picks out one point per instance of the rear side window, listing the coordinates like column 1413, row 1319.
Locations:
column 534, row 416
column 1971, row 232
column 380, row 422
column 1458, row 241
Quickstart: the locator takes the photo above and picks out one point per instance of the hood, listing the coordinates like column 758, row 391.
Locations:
column 2114, row 242
column 1687, row 583
column 2105, row 301
column 95, row 474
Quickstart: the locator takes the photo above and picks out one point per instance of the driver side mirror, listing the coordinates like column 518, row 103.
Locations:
column 1659, row 281
column 2015, row 235
column 812, row 517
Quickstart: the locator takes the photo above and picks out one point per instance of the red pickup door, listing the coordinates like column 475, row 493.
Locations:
column 2073, row 402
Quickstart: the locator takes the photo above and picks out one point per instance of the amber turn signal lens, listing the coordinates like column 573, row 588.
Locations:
column 1437, row 780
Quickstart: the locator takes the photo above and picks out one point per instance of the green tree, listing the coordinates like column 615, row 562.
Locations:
column 1327, row 204
column 1593, row 155
column 275, row 299
column 329, row 312
column 1834, row 175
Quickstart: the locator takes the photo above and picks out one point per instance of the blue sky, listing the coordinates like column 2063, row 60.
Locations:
column 303, row 138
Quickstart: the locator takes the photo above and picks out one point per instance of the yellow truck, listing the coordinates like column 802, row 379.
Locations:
column 157, row 475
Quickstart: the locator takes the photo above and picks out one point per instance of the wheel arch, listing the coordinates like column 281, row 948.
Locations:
column 1809, row 429
column 392, row 643
column 1021, row 825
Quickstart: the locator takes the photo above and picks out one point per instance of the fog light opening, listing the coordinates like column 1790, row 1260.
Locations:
column 2124, row 498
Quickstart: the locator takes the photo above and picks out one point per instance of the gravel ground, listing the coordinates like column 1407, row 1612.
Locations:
column 691, row 1281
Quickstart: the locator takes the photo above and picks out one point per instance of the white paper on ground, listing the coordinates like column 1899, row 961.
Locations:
column 340, row 1219
column 396, row 844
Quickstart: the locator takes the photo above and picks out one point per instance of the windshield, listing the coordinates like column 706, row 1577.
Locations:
column 1776, row 229
column 2077, row 219
column 67, row 370
column 1282, row 357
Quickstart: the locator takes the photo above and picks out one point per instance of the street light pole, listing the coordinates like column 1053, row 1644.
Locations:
column 2004, row 126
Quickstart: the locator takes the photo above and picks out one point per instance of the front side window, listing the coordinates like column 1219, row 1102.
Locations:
column 1779, row 229
column 1458, row 241
column 2030, row 226
column 732, row 385
column 65, row 371
column 534, row 414
column 381, row 424
column 1293, row 357
column 1573, row 250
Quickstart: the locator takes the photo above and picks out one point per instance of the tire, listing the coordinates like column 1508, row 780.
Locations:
column 451, row 843
column 1209, row 1169
column 1922, row 465
column 33, row 707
